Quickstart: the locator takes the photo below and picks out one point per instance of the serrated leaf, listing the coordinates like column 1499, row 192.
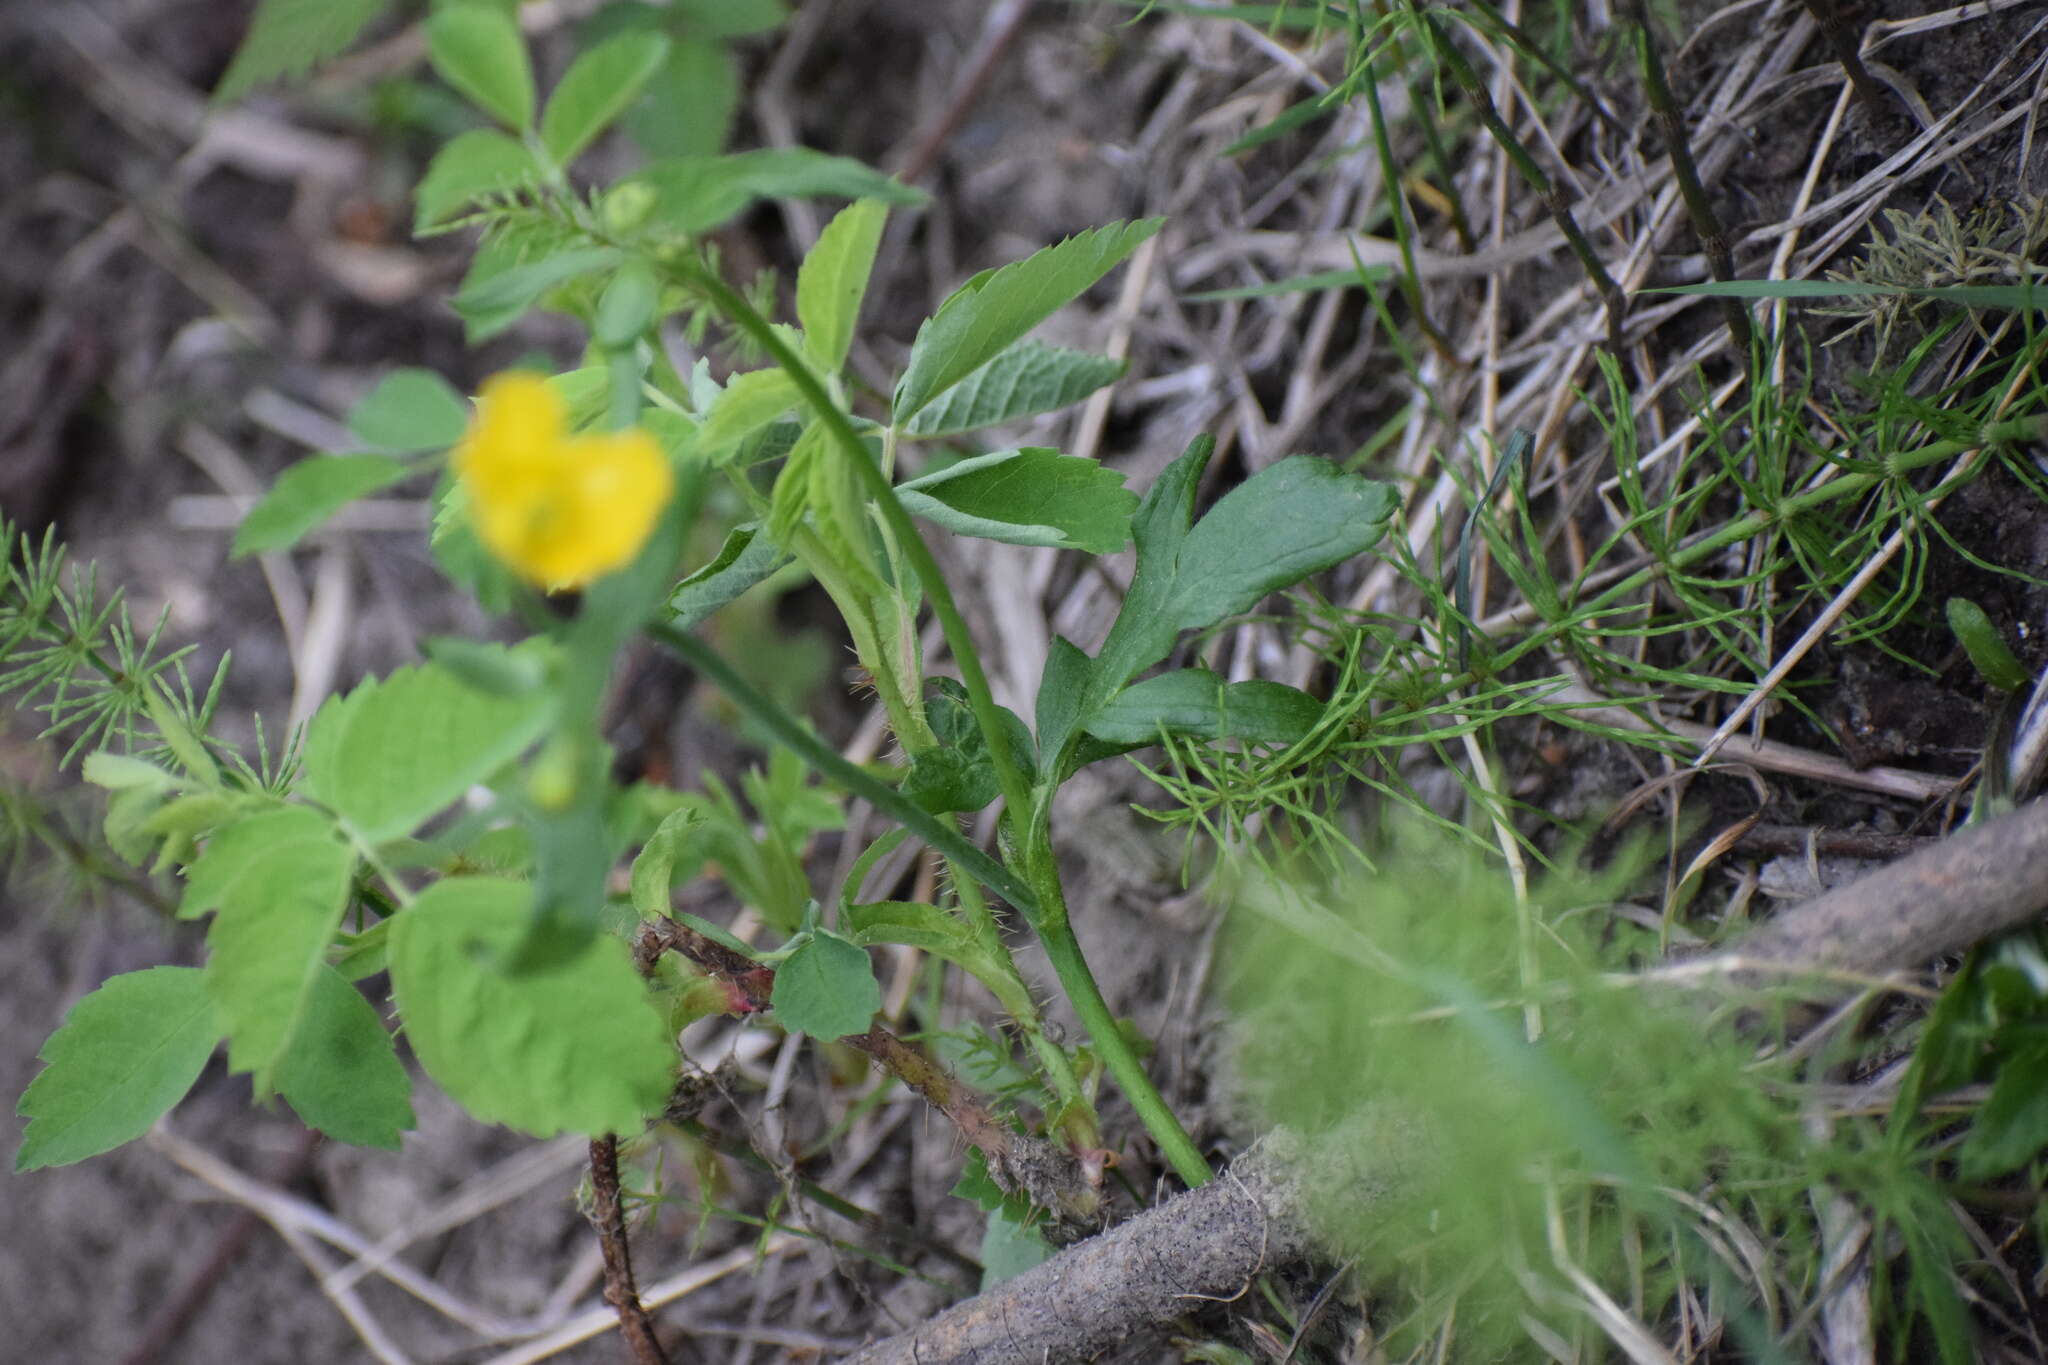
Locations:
column 480, row 162
column 411, row 410
column 826, row 988
column 834, row 278
column 654, row 871
column 2011, row 1129
column 752, row 400
column 123, row 1056
column 997, row 307
column 1028, row 378
column 478, row 49
column 749, row 557
column 1198, row 704
column 393, row 752
column 288, row 36
column 278, row 882
column 342, row 1074
column 308, row 494
column 596, row 89
column 694, row 194
column 1292, row 519
column 579, row 1047
column 1030, row 496
column 491, row 305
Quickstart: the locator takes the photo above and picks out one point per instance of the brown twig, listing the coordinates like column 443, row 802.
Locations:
column 1210, row 1243
column 1067, row 1184
column 608, row 1215
column 1828, row 15
column 1983, row 881
column 999, row 30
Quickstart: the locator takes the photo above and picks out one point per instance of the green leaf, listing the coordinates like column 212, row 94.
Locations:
column 1028, row 378
column 2012, row 1128
column 491, row 305
column 491, row 668
column 920, row 926
column 752, row 400
column 122, row 1058
column 1010, row 1246
column 1032, row 496
column 308, row 494
column 1142, row 632
column 1299, row 115
column 826, row 988
column 748, row 558
column 411, row 410
column 2014, row 296
column 392, row 753
column 279, row 881
column 1989, row 654
column 997, row 307
column 1198, row 704
column 480, row 162
column 958, row 775
column 596, row 89
column 342, row 1074
column 834, row 278
column 654, row 871
column 288, row 36
column 625, row 310
column 478, row 49
column 694, row 194
column 577, row 1047
column 687, row 108
column 1291, row 519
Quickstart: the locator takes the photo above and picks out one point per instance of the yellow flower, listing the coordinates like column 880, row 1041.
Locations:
column 558, row 509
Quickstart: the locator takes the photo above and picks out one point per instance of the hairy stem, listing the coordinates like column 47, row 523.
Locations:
column 608, row 1213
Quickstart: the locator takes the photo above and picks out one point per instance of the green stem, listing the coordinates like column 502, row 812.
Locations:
column 980, row 699
column 1063, row 950
column 849, row 776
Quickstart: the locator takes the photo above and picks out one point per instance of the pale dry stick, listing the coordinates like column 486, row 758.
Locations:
column 328, row 622
column 347, row 1302
column 1123, row 322
column 770, row 103
column 1620, row 1326
column 1837, row 236
column 223, row 512
column 282, row 1210
column 1763, row 753
column 597, row 1321
column 1883, row 31
column 296, row 421
column 488, row 1189
column 224, row 464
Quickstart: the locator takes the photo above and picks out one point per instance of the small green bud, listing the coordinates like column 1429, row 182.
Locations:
column 1985, row 646
column 628, row 206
